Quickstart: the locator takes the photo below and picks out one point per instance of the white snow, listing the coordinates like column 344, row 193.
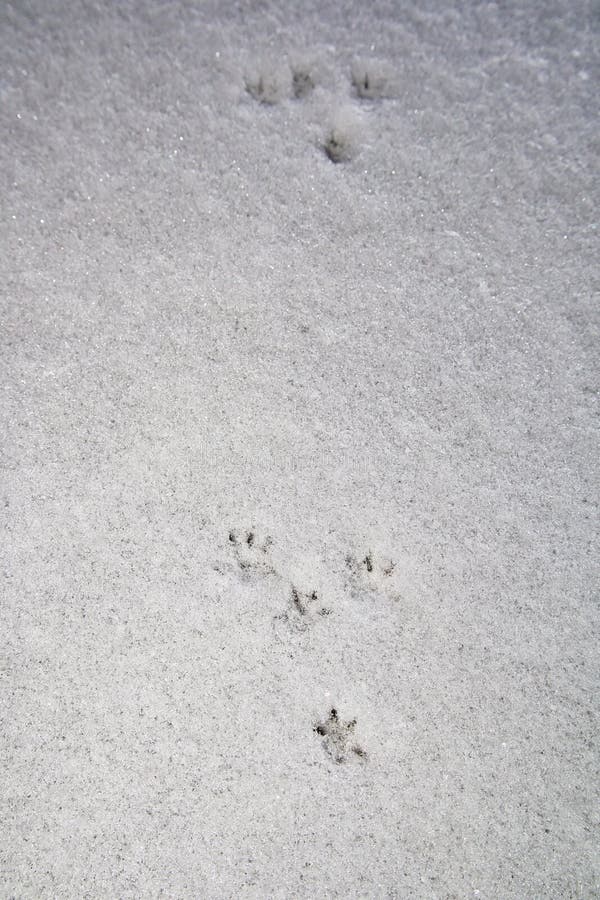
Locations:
column 380, row 363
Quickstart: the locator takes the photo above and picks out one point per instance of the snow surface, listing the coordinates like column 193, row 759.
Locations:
column 299, row 410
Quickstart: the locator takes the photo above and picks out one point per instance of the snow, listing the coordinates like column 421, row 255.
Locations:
column 378, row 358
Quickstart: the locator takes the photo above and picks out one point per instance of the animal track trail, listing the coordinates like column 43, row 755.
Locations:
column 338, row 738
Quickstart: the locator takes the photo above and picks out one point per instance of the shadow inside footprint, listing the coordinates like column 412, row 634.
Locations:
column 302, row 83
column 337, row 146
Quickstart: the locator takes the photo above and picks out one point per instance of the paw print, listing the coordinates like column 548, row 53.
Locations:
column 373, row 80
column 338, row 738
column 251, row 552
column 302, row 82
column 303, row 610
column 370, row 574
column 269, row 83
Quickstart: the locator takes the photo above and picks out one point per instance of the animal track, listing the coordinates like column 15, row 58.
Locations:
column 342, row 138
column 372, row 80
column 268, row 85
column 337, row 147
column 251, row 552
column 302, row 82
column 370, row 574
column 273, row 82
column 338, row 738
column 303, row 610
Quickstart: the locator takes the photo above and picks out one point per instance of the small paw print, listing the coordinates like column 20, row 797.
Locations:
column 269, row 83
column 338, row 738
column 251, row 552
column 303, row 610
column 302, row 82
column 373, row 80
column 370, row 573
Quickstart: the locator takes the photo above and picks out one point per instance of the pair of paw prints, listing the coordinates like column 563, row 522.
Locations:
column 338, row 738
column 370, row 574
column 271, row 83
column 252, row 556
column 371, row 80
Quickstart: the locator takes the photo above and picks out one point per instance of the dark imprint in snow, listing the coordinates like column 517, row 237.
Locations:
column 338, row 738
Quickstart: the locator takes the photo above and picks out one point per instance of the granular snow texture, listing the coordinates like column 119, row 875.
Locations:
column 299, row 417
